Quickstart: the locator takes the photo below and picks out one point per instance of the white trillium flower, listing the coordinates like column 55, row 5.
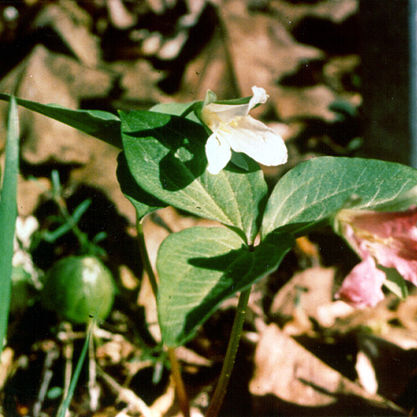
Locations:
column 234, row 129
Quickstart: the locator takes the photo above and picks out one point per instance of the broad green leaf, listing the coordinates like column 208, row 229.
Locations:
column 100, row 124
column 200, row 267
column 143, row 202
column 8, row 214
column 178, row 109
column 315, row 190
column 166, row 157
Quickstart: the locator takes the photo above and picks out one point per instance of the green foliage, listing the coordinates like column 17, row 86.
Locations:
column 200, row 267
column 65, row 222
column 187, row 110
column 314, row 191
column 8, row 214
column 163, row 163
column 100, row 124
column 165, row 155
column 143, row 202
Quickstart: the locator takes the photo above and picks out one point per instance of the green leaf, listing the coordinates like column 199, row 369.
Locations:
column 8, row 214
column 200, row 267
column 166, row 157
column 315, row 190
column 395, row 282
column 100, row 124
column 186, row 110
column 143, row 202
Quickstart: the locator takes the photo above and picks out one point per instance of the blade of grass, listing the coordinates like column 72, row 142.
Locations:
column 8, row 214
column 65, row 404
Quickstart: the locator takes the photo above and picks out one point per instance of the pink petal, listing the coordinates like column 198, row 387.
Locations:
column 391, row 238
column 399, row 256
column 363, row 286
column 388, row 224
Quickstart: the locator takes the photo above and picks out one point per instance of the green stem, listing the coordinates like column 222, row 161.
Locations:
column 229, row 360
column 145, row 258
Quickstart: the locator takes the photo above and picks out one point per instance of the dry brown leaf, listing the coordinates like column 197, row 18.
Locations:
column 47, row 77
column 70, row 22
column 284, row 369
column 376, row 319
column 328, row 313
column 6, row 365
column 336, row 11
column 298, row 103
column 44, row 139
column 100, row 172
column 393, row 366
column 266, row 53
column 139, row 81
column 119, row 15
column 210, row 70
column 407, row 313
column 29, row 193
column 307, row 290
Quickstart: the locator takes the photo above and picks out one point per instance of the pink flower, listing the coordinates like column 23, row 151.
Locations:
column 383, row 238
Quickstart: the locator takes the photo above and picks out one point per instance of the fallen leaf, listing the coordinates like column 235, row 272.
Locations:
column 70, row 23
column 45, row 140
column 287, row 371
column 307, row 290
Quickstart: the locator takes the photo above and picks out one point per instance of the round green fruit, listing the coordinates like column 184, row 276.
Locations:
column 78, row 288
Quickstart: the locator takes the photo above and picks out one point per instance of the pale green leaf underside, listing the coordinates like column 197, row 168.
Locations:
column 166, row 157
column 315, row 190
column 178, row 109
column 200, row 267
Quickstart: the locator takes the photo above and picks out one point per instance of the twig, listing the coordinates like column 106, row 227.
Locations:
column 93, row 388
column 68, row 352
column 51, row 356
column 126, row 395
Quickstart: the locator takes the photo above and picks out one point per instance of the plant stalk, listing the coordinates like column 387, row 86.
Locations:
column 145, row 258
column 229, row 360
column 179, row 383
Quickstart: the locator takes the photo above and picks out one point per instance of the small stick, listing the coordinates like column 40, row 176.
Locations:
column 126, row 395
column 93, row 388
column 68, row 352
column 51, row 356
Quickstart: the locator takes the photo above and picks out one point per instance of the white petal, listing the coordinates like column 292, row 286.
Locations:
column 259, row 97
column 218, row 154
column 256, row 140
column 215, row 114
